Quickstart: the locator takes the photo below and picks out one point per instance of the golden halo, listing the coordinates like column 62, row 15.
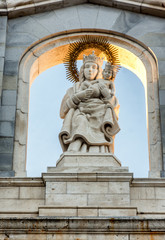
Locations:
column 87, row 42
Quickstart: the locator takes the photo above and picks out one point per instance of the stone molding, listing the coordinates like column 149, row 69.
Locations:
column 81, row 225
column 19, row 8
column 83, row 177
column 10, row 182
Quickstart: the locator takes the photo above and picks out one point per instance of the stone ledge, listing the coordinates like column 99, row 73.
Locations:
column 84, row 177
column 80, row 224
column 34, row 182
column 148, row 182
column 87, row 211
column 22, row 8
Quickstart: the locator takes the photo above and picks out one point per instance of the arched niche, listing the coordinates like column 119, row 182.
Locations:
column 51, row 51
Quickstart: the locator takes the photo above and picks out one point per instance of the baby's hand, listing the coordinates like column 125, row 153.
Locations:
column 88, row 93
column 102, row 86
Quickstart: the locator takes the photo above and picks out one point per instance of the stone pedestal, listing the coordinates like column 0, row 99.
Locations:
column 87, row 185
column 91, row 163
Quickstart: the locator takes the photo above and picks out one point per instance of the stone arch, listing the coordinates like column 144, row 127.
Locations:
column 50, row 51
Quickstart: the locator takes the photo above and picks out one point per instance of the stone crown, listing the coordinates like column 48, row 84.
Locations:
column 93, row 58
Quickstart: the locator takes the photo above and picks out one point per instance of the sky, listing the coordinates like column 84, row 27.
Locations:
column 46, row 93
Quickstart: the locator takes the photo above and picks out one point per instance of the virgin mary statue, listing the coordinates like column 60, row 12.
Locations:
column 88, row 109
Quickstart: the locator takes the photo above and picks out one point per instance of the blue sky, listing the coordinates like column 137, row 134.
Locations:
column 46, row 93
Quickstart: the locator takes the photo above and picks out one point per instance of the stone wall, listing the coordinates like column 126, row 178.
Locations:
column 68, row 195
column 26, row 31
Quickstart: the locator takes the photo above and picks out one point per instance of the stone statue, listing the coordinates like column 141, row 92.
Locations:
column 88, row 109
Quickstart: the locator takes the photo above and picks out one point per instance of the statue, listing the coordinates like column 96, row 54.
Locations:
column 88, row 109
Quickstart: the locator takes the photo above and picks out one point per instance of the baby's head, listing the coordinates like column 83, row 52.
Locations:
column 107, row 72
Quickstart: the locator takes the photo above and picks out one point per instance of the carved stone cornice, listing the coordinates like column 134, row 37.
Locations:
column 19, row 8
column 81, row 225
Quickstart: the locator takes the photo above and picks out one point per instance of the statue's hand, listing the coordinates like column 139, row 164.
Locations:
column 104, row 90
column 88, row 93
column 102, row 86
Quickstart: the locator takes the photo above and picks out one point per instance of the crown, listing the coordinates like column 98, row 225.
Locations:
column 93, row 58
column 108, row 66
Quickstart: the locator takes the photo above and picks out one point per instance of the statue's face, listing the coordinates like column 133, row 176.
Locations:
column 107, row 74
column 90, row 71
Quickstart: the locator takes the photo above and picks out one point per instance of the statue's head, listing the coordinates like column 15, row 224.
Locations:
column 109, row 72
column 91, row 68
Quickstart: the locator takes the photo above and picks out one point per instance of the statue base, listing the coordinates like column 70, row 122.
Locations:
column 87, row 185
column 80, row 162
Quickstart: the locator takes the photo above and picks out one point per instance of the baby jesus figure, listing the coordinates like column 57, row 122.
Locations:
column 101, row 88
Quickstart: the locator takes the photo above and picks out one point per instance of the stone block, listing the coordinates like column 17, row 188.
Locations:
column 88, row 169
column 148, row 9
column 150, row 97
column 107, row 17
column 1, row 64
column 69, row 18
column 87, row 187
column 23, row 96
column 52, row 28
column 68, row 3
column 7, row 174
column 150, row 236
column 55, row 187
column 29, row 25
column 3, row 22
column 14, row 53
column 118, row 212
column 7, row 113
column 162, row 82
column 161, row 65
column 9, row 192
column 162, row 97
column 144, row 206
column 19, row 159
column 154, row 127
column 6, row 162
column 62, row 212
column 19, row 205
column 88, row 13
column 9, row 97
column 21, row 11
column 21, row 127
column 7, row 129
column 2, row 49
column 66, row 199
column 156, row 159
column 49, row 25
column 154, row 39
column 2, row 36
column 6, row 145
column 160, row 193
column 20, row 39
column 119, row 187
column 87, row 212
column 11, row 68
column 158, row 3
column 42, row 7
column 83, row 160
column 107, row 200
column 1, row 82
column 10, row 82
column 159, row 52
column 32, row 192
column 142, row 193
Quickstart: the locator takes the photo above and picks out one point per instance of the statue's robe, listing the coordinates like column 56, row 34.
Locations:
column 93, row 120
